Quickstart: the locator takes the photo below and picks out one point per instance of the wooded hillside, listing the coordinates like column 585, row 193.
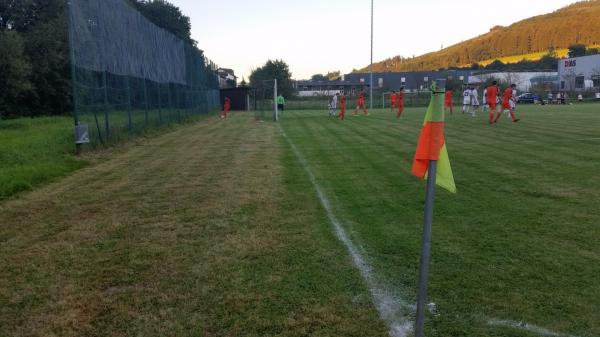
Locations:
column 575, row 24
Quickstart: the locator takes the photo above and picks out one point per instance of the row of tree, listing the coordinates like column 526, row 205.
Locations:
column 34, row 58
column 330, row 76
column 35, row 77
column 262, row 78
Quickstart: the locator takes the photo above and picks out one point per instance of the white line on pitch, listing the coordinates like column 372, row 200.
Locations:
column 527, row 327
column 390, row 308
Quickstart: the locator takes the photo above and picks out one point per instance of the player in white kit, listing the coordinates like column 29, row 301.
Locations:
column 474, row 101
column 466, row 100
column 333, row 105
column 486, row 106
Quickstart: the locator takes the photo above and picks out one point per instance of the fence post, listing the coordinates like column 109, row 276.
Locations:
column 169, row 101
column 130, row 122
column 159, row 105
column 68, row 10
column 106, row 122
column 146, row 103
column 275, row 112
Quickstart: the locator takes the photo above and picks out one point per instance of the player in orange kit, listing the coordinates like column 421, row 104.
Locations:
column 393, row 97
column 400, row 102
column 492, row 95
column 448, row 100
column 226, row 107
column 509, row 100
column 342, row 106
column 360, row 104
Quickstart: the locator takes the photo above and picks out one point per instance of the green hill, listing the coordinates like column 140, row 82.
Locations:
column 577, row 23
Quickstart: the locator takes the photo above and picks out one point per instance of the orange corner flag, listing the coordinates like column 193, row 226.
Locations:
column 432, row 145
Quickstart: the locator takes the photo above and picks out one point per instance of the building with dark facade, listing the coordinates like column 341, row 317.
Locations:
column 410, row 80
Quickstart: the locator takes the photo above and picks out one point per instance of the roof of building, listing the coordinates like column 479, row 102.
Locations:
column 222, row 71
column 305, row 83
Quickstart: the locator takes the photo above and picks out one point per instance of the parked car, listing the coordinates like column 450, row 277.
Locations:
column 528, row 98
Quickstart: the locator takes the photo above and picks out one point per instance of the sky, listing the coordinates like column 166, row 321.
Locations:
column 318, row 36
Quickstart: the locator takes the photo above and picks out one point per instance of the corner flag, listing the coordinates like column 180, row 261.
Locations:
column 432, row 145
column 431, row 158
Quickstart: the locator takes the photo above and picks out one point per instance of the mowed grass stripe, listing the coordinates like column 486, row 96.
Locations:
column 520, row 222
column 200, row 232
column 345, row 179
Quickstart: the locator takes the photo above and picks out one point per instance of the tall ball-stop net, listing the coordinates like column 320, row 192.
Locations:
column 129, row 74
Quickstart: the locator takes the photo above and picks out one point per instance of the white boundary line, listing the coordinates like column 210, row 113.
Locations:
column 527, row 327
column 391, row 308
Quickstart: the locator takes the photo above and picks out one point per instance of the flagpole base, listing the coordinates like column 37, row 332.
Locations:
column 425, row 249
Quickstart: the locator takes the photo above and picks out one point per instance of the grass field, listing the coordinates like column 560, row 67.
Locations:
column 33, row 151
column 224, row 228
column 519, row 242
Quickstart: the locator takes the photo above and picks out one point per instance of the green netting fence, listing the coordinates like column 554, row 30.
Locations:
column 130, row 75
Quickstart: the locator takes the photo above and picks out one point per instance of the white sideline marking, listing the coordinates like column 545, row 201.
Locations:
column 528, row 327
column 388, row 306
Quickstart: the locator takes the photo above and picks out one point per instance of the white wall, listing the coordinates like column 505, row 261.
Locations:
column 521, row 79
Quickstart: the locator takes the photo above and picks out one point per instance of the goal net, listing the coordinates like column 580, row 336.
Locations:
column 411, row 99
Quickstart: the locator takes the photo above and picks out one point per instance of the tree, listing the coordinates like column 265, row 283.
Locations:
column 166, row 16
column 46, row 45
column 243, row 83
column 333, row 75
column 496, row 65
column 548, row 61
column 576, row 50
column 261, row 78
column 19, row 15
column 15, row 70
column 318, row 77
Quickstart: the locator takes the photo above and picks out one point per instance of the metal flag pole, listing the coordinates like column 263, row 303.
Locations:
column 425, row 249
column 275, row 112
column 371, row 65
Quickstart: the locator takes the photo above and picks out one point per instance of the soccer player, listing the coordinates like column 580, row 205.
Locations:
column 226, row 107
column 448, row 100
column 333, row 105
column 342, row 106
column 361, row 104
column 393, row 97
column 280, row 102
column 466, row 100
column 509, row 103
column 485, row 103
column 400, row 102
column 492, row 95
column 474, row 100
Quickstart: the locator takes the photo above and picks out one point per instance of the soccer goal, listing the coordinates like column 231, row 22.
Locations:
column 265, row 101
column 411, row 98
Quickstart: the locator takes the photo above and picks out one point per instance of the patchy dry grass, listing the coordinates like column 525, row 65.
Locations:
column 199, row 232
